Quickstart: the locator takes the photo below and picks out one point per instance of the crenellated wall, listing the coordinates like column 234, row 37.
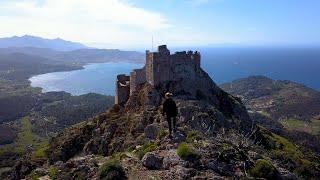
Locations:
column 184, row 65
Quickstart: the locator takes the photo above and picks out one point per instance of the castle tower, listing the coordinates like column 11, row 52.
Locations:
column 158, row 66
column 161, row 66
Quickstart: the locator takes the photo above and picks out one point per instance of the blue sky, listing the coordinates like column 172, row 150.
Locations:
column 132, row 23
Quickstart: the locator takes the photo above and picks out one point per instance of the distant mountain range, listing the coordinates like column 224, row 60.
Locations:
column 64, row 51
column 38, row 42
column 79, row 56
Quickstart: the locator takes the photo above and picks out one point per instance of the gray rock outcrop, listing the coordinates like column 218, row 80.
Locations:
column 151, row 131
column 152, row 161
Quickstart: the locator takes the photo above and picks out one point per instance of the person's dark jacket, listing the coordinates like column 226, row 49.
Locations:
column 170, row 108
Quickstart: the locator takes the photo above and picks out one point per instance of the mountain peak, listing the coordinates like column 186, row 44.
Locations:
column 28, row 36
column 39, row 42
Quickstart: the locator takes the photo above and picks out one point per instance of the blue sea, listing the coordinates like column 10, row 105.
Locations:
column 97, row 78
column 224, row 64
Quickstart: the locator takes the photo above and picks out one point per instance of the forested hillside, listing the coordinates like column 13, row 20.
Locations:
column 28, row 117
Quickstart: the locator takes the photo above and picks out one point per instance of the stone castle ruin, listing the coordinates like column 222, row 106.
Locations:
column 193, row 90
column 160, row 67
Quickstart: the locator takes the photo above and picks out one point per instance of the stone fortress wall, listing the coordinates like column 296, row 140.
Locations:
column 160, row 66
column 137, row 76
column 122, row 88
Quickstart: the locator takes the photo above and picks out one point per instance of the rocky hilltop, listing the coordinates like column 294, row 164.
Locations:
column 216, row 138
column 285, row 107
column 279, row 99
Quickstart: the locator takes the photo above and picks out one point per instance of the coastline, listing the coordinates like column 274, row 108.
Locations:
column 93, row 74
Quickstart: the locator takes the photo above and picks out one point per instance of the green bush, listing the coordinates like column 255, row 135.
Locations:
column 131, row 148
column 111, row 170
column 146, row 147
column 41, row 149
column 263, row 169
column 162, row 133
column 186, row 152
column 119, row 155
column 34, row 176
column 191, row 136
column 53, row 172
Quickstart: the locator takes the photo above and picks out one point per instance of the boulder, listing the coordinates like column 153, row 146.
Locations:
column 179, row 137
column 186, row 173
column 40, row 171
column 285, row 174
column 171, row 159
column 152, row 161
column 221, row 168
column 97, row 145
column 151, row 131
column 138, row 128
column 254, row 155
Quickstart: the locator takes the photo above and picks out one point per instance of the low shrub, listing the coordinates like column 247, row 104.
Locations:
column 131, row 148
column 34, row 176
column 186, row 152
column 191, row 136
column 162, row 133
column 111, row 170
column 53, row 172
column 119, row 155
column 146, row 147
column 40, row 151
column 263, row 169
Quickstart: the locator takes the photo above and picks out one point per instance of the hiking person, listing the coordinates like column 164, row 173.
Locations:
column 170, row 110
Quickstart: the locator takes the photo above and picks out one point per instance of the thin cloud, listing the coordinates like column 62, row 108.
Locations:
column 80, row 20
column 111, row 11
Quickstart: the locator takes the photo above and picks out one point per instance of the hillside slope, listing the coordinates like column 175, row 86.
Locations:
column 215, row 138
column 17, row 97
column 28, row 117
column 285, row 107
column 279, row 99
column 80, row 56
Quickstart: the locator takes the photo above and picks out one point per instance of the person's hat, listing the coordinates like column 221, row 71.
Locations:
column 168, row 95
